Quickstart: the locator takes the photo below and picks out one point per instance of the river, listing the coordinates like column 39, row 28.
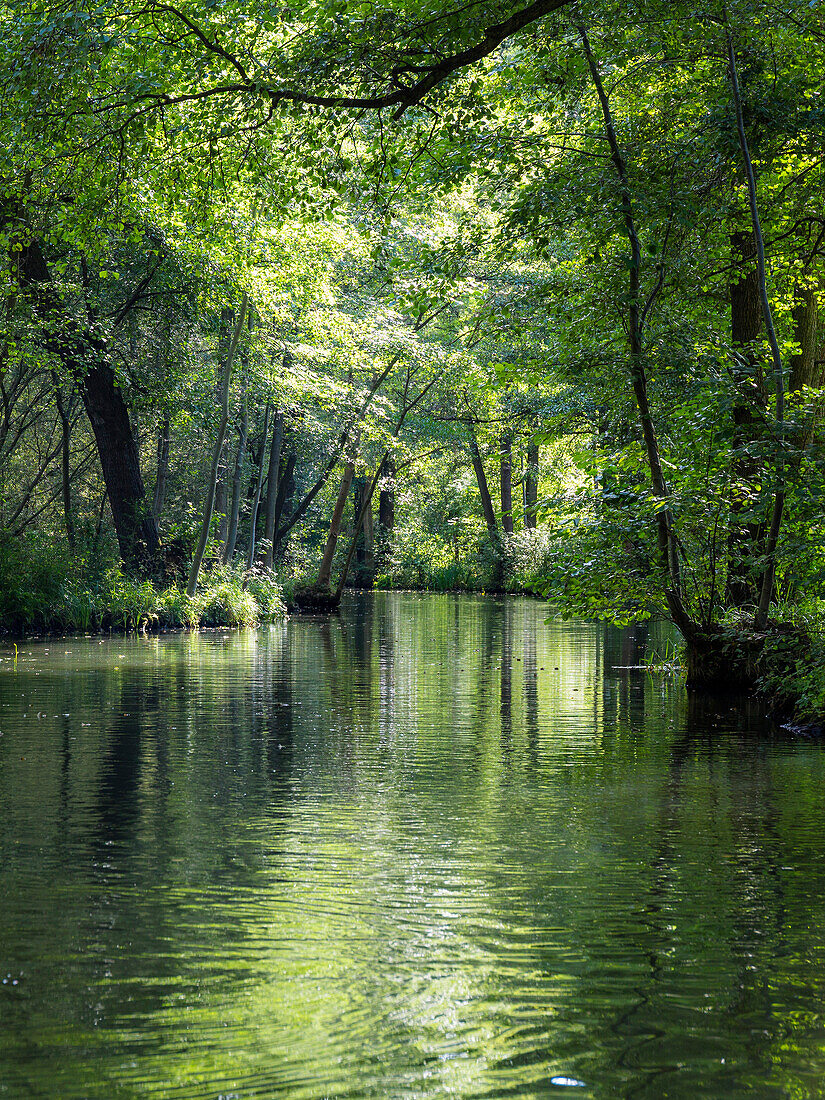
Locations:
column 434, row 847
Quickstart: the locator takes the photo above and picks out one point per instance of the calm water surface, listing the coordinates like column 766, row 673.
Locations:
column 434, row 848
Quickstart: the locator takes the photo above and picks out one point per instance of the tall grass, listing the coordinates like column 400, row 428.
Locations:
column 44, row 590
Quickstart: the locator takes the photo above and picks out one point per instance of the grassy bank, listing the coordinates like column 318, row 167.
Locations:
column 44, row 592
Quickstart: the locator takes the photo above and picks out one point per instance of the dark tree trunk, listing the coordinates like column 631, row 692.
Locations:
column 286, row 489
column 636, row 312
column 484, row 491
column 86, row 360
column 531, row 487
column 364, row 534
column 806, row 370
column 137, row 532
column 367, row 493
column 489, row 512
column 746, row 534
column 506, row 480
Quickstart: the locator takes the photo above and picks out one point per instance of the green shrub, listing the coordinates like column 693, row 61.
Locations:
column 268, row 594
column 227, row 604
column 132, row 604
column 176, row 609
column 792, row 661
column 528, row 559
column 82, row 608
column 32, row 585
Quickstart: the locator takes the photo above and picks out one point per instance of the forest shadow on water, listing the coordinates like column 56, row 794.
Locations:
column 434, row 846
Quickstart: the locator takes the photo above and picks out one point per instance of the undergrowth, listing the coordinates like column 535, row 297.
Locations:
column 55, row 592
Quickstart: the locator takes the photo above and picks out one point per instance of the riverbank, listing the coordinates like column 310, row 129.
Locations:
column 85, row 603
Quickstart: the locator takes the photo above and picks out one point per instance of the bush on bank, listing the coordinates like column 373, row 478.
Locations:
column 792, row 665
column 53, row 590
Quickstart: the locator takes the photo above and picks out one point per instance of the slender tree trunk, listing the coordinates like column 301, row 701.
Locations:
column 65, row 465
column 286, row 488
column 766, row 595
column 209, row 506
column 272, row 487
column 386, row 498
column 531, row 487
column 746, row 533
column 325, row 572
column 237, row 487
column 159, row 495
column 489, row 512
column 221, row 497
column 256, row 499
column 484, row 491
column 506, row 481
column 668, row 547
column 366, row 503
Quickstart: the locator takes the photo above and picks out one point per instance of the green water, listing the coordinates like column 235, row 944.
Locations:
column 434, row 848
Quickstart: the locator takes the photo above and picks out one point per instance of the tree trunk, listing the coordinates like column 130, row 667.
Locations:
column 366, row 504
column 159, row 495
column 666, row 538
column 325, row 572
column 65, row 465
column 386, row 498
column 489, row 513
column 484, row 490
column 286, row 488
column 363, row 531
column 272, row 487
column 767, row 591
column 137, row 532
column 746, row 532
column 237, row 484
column 85, row 357
column 221, row 509
column 369, row 542
column 805, row 370
column 256, row 499
column 531, row 487
column 506, row 480
column 209, row 506
column 359, row 487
